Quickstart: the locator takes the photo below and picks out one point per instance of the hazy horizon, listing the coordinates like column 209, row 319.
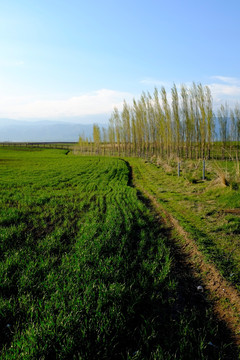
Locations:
column 43, row 131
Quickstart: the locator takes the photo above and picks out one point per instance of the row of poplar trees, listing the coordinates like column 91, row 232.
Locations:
column 184, row 126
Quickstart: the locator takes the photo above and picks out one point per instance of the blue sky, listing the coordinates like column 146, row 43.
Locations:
column 74, row 58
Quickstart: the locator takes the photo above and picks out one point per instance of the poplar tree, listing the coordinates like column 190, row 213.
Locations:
column 210, row 119
column 233, row 127
column 152, row 124
column 134, row 131
column 160, row 123
column 138, row 126
column 186, row 119
column 96, row 138
column 223, row 123
column 126, row 128
column 202, row 119
column 176, row 119
column 104, row 139
column 167, row 116
column 111, row 134
column 144, row 124
column 80, row 143
column 237, row 117
column 194, row 125
column 195, row 116
column 117, row 126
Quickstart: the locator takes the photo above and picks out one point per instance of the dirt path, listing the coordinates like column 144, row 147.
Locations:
column 224, row 296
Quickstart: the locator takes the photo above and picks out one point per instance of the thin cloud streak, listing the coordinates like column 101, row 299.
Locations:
column 96, row 102
column 227, row 79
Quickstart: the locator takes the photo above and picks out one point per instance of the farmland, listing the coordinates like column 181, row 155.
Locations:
column 87, row 270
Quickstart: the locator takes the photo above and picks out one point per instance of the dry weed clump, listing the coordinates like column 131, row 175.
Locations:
column 159, row 161
column 153, row 159
column 222, row 177
column 226, row 177
column 235, row 178
column 191, row 170
column 169, row 166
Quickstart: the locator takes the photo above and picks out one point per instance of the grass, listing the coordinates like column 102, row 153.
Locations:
column 201, row 208
column 85, row 270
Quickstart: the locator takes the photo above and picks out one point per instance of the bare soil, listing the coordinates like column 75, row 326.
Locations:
column 232, row 211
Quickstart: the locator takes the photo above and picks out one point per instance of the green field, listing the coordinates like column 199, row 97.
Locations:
column 86, row 270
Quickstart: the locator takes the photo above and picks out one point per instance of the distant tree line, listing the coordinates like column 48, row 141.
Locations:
column 183, row 126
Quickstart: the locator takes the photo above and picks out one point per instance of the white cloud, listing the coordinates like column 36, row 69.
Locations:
column 227, row 79
column 96, row 102
column 225, row 89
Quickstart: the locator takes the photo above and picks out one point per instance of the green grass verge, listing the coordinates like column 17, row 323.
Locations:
column 201, row 209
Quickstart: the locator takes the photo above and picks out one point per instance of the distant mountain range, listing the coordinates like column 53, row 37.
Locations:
column 46, row 131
